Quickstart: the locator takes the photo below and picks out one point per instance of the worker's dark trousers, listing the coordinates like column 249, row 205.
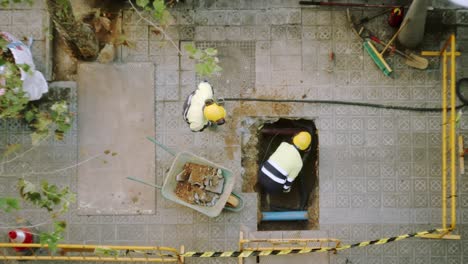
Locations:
column 269, row 185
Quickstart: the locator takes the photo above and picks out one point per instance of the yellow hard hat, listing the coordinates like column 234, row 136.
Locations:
column 302, row 140
column 214, row 112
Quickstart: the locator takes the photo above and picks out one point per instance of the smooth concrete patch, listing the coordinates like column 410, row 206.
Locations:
column 116, row 114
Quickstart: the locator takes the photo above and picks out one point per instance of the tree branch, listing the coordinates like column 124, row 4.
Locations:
column 52, row 171
column 160, row 29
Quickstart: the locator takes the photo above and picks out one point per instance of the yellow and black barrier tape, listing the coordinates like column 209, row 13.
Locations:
column 253, row 253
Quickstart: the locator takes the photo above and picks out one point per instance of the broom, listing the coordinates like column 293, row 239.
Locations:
column 377, row 56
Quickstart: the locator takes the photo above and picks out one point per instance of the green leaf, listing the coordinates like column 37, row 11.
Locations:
column 159, row 8
column 29, row 116
column 142, row 3
column 60, row 226
column 190, row 48
column 12, row 203
column 104, row 251
column 7, row 204
column 28, row 187
column 25, row 67
column 203, row 69
column 211, row 51
column 42, row 121
column 198, row 54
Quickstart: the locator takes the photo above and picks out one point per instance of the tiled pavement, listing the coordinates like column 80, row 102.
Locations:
column 379, row 169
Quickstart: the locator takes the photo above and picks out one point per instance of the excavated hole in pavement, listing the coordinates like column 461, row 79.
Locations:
column 304, row 195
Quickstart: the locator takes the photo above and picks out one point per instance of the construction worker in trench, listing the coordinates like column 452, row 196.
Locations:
column 281, row 169
column 201, row 111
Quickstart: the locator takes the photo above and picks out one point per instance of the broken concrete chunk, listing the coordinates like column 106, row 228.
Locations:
column 182, row 176
column 198, row 173
column 199, row 184
column 217, row 188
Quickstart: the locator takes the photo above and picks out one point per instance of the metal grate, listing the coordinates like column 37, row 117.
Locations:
column 237, row 58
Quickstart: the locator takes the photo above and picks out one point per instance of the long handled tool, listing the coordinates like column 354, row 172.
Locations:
column 369, row 18
column 370, row 49
column 377, row 57
column 412, row 60
column 315, row 3
column 394, row 36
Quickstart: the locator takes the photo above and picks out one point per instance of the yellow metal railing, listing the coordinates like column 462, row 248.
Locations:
column 106, row 253
column 271, row 244
column 448, row 134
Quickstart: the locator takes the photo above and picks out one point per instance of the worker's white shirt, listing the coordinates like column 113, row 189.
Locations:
column 287, row 159
column 194, row 114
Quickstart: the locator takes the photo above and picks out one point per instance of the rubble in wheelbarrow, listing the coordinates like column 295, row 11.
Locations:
column 200, row 184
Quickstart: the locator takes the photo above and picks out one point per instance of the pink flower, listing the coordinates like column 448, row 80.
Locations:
column 2, row 91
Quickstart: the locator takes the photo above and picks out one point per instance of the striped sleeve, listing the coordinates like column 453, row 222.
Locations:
column 287, row 185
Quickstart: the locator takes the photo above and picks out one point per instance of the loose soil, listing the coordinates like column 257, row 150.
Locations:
column 185, row 191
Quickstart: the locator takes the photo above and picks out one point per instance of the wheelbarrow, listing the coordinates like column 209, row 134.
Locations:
column 228, row 200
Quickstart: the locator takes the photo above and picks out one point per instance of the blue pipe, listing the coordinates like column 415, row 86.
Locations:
column 285, row 216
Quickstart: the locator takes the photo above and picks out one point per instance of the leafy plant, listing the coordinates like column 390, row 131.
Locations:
column 157, row 9
column 47, row 196
column 8, row 204
column 207, row 62
column 56, row 119
column 14, row 102
column 52, row 238
column 12, row 97
column 55, row 200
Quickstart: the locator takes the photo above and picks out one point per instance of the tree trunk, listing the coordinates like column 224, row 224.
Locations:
column 80, row 37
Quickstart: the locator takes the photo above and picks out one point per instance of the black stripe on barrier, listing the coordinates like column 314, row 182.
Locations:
column 254, row 253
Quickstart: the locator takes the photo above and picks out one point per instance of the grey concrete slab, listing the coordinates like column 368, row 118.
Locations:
column 115, row 113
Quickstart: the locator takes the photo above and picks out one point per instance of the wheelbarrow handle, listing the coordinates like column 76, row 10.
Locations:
column 170, row 151
column 146, row 183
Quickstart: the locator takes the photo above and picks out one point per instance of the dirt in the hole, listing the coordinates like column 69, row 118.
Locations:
column 251, row 109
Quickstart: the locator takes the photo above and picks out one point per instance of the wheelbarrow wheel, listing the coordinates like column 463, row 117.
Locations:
column 233, row 201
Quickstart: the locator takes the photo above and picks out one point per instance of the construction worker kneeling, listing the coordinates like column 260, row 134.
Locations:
column 201, row 111
column 281, row 169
